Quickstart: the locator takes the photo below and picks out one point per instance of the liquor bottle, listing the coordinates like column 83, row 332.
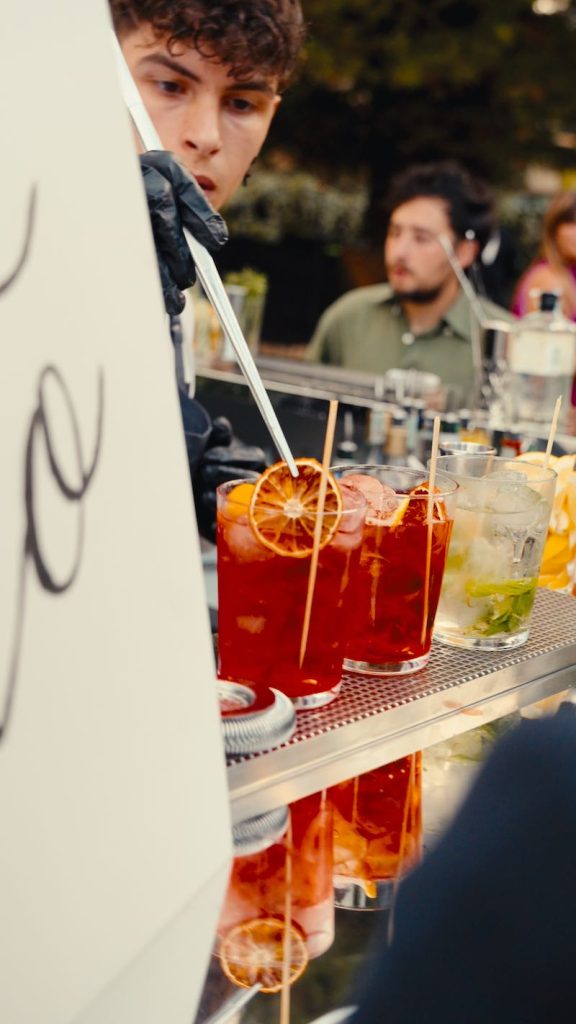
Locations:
column 396, row 446
column 424, row 448
column 449, row 427
column 346, row 448
column 376, row 431
column 542, row 360
column 414, row 409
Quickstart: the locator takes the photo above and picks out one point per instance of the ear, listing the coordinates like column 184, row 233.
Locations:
column 467, row 250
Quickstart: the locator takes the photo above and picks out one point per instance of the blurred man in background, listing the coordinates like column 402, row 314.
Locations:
column 420, row 319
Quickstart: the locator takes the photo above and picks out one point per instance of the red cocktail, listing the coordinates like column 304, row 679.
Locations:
column 396, row 584
column 265, row 537
column 288, row 883
column 377, row 832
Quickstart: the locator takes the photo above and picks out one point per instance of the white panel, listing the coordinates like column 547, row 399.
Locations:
column 112, row 786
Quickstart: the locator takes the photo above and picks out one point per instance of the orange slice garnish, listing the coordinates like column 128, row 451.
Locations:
column 252, row 953
column 389, row 518
column 283, row 508
column 420, row 508
column 238, row 500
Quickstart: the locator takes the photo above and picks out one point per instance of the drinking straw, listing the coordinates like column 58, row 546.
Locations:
column 430, row 523
column 473, row 300
column 552, row 433
column 206, row 270
column 326, row 456
column 463, row 281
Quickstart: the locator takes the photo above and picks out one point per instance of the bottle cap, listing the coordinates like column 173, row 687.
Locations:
column 253, row 723
column 548, row 301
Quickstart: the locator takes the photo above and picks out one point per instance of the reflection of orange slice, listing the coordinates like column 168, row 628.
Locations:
column 252, row 954
column 283, row 508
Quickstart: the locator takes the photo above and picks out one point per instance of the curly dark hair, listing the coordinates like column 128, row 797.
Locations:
column 469, row 203
column 248, row 35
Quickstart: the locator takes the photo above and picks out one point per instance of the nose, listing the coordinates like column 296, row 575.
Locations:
column 396, row 247
column 202, row 127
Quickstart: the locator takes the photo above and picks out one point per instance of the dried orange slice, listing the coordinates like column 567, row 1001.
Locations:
column 283, row 508
column 252, row 954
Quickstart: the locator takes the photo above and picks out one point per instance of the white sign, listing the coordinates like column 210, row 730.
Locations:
column 115, row 840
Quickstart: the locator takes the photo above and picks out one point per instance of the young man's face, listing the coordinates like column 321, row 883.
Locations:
column 213, row 123
column 416, row 264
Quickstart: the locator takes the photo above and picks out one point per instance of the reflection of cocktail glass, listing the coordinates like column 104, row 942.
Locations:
column 291, row 881
column 377, row 832
column 395, row 587
column 495, row 553
column 262, row 590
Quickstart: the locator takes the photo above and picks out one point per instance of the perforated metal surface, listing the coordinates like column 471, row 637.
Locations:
column 378, row 719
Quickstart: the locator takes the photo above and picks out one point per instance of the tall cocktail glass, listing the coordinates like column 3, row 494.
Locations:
column 286, row 887
column 262, row 593
column 495, row 553
column 377, row 832
column 396, row 584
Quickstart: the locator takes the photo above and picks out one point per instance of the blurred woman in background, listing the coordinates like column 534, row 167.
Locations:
column 554, row 270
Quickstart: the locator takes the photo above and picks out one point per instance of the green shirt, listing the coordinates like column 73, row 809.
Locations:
column 365, row 329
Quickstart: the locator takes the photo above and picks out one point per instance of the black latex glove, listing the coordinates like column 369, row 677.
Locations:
column 175, row 201
column 197, row 429
column 225, row 458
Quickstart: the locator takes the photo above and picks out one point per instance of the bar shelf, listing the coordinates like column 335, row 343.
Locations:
column 374, row 720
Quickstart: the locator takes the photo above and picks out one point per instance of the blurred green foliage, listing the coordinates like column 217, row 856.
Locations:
column 385, row 84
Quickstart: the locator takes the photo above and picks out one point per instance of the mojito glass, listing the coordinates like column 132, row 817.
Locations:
column 280, row 901
column 377, row 832
column 396, row 585
column 264, row 570
column 496, row 549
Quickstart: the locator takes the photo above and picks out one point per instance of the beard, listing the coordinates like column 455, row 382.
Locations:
column 420, row 296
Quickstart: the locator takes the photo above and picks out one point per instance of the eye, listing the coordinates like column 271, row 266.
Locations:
column 241, row 105
column 170, row 87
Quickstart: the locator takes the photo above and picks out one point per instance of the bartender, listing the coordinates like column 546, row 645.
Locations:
column 210, row 80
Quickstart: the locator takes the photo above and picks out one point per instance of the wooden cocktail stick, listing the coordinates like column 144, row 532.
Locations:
column 430, row 524
column 287, row 942
column 408, row 807
column 326, row 457
column 552, row 433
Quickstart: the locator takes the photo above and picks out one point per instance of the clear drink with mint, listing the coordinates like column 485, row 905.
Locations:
column 494, row 558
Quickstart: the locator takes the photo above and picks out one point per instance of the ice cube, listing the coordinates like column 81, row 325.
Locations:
column 514, row 499
column 244, row 544
column 377, row 494
column 353, row 508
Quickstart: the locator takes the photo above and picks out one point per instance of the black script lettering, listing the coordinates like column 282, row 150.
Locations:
column 7, row 282
column 74, row 492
